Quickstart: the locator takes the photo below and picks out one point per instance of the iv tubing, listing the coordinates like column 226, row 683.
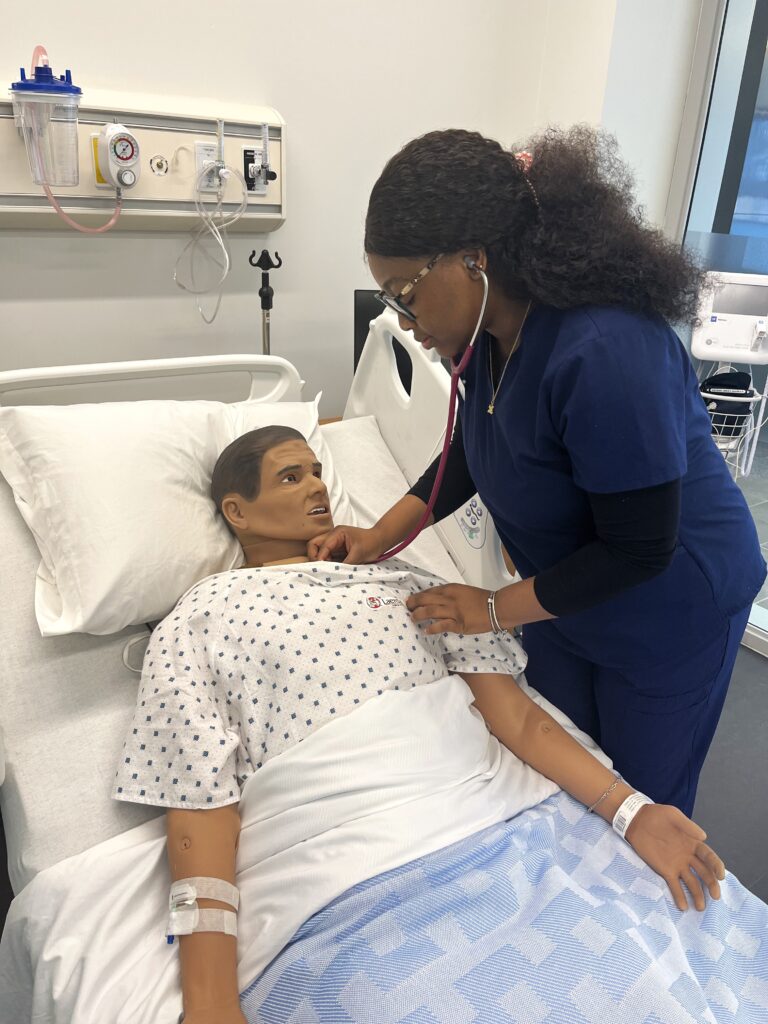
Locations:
column 456, row 370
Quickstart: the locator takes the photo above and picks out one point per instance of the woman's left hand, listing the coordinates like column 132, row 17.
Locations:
column 453, row 608
column 674, row 847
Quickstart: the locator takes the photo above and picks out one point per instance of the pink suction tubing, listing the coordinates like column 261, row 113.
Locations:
column 81, row 227
column 456, row 370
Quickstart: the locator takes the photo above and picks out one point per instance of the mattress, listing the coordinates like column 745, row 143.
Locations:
column 66, row 702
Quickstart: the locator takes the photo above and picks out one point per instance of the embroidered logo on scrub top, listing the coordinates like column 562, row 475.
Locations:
column 473, row 523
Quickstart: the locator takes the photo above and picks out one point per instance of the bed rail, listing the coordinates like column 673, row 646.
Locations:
column 214, row 377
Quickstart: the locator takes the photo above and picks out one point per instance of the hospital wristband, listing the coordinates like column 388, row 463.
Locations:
column 627, row 812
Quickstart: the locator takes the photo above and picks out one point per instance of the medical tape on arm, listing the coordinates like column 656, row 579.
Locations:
column 185, row 916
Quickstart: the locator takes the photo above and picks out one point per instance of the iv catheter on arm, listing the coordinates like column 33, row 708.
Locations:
column 202, row 846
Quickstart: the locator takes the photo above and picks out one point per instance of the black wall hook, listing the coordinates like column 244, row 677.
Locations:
column 265, row 261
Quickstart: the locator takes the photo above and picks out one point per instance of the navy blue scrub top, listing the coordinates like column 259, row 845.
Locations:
column 604, row 400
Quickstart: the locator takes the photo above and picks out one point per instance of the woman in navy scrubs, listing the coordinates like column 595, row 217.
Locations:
column 583, row 432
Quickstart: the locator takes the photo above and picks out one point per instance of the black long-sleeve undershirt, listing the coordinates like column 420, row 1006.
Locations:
column 636, row 536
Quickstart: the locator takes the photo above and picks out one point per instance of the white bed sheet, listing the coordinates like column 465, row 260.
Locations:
column 65, row 702
column 84, row 943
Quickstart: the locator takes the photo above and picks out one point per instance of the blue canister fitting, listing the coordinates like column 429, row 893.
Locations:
column 43, row 80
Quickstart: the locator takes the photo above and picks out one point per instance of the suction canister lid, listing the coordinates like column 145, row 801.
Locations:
column 44, row 80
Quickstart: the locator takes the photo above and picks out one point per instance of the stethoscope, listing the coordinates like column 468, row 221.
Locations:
column 456, row 371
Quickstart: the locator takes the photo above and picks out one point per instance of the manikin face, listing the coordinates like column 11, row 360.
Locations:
column 444, row 305
column 292, row 503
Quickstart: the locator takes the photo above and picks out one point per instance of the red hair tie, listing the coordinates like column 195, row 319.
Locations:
column 525, row 159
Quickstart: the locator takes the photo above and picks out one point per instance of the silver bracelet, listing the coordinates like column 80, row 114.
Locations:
column 495, row 626
column 605, row 794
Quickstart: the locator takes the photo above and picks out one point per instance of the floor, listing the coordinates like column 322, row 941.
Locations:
column 755, row 490
column 731, row 805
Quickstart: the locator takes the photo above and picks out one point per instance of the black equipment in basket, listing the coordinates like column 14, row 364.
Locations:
column 728, row 417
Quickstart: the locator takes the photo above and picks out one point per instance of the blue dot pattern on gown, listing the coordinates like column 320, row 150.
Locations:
column 251, row 661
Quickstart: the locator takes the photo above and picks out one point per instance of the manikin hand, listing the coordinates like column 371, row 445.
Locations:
column 674, row 847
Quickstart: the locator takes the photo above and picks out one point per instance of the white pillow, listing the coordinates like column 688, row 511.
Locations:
column 117, row 496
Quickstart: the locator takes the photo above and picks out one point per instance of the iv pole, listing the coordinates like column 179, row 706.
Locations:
column 266, row 292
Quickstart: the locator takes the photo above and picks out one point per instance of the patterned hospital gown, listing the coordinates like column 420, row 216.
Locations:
column 252, row 661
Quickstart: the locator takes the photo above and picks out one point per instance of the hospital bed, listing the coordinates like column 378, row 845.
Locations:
column 67, row 700
column 511, row 874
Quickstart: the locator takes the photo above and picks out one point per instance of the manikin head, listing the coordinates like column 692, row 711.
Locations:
column 268, row 486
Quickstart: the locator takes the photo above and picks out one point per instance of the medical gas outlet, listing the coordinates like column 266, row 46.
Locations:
column 117, row 157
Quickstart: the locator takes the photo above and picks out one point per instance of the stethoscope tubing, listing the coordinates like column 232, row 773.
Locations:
column 457, row 369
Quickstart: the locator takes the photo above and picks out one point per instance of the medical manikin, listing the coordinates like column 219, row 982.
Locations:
column 253, row 660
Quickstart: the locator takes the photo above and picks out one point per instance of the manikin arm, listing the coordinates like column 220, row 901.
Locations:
column 663, row 836
column 204, row 844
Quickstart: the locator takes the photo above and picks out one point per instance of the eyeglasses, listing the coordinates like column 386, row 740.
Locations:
column 395, row 302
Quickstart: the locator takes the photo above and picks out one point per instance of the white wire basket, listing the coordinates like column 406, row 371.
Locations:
column 733, row 432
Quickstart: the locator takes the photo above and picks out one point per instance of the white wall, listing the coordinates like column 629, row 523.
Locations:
column 645, row 91
column 354, row 79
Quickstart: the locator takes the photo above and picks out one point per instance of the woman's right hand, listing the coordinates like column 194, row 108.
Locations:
column 351, row 544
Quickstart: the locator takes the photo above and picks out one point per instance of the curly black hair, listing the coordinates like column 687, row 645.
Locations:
column 567, row 232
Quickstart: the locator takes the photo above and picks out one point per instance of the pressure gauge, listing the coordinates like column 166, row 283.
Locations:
column 124, row 148
column 118, row 156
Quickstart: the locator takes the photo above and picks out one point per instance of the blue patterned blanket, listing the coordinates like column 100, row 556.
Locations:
column 548, row 918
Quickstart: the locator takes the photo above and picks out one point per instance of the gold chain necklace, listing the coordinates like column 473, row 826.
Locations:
column 506, row 363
